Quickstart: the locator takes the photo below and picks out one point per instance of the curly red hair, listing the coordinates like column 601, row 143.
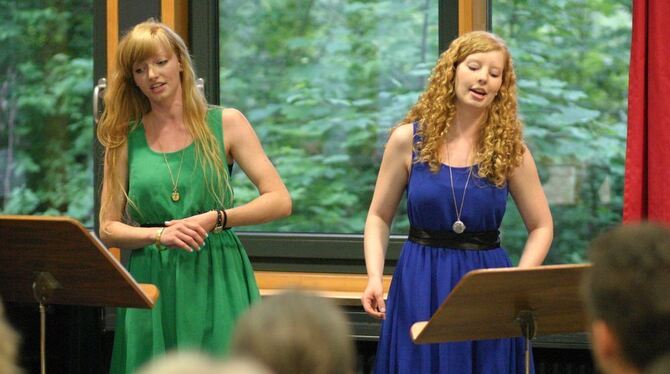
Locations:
column 500, row 147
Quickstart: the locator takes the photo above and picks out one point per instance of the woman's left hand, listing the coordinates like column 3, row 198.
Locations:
column 183, row 233
column 205, row 220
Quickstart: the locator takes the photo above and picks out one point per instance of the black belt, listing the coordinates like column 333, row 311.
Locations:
column 469, row 240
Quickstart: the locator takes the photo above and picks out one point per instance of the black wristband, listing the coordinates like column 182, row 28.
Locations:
column 225, row 220
column 219, row 225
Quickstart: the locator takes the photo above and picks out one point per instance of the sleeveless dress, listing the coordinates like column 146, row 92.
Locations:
column 424, row 276
column 201, row 293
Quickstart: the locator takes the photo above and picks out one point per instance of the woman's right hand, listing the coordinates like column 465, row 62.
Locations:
column 373, row 299
column 184, row 234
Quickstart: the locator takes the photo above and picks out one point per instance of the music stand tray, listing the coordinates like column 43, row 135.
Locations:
column 508, row 302
column 62, row 249
column 55, row 260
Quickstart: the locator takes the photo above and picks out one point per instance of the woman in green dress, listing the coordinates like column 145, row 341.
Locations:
column 166, row 196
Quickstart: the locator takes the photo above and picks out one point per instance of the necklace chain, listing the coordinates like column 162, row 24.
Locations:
column 458, row 226
column 175, row 183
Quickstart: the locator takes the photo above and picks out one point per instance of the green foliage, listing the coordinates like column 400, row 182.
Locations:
column 573, row 81
column 323, row 82
column 46, row 129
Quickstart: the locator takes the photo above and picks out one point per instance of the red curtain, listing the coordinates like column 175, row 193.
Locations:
column 647, row 175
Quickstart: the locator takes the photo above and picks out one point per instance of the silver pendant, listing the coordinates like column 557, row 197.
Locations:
column 175, row 196
column 458, row 227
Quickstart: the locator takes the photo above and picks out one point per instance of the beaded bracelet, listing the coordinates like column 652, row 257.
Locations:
column 221, row 221
column 219, row 224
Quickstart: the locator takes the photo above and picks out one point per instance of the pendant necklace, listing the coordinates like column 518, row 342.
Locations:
column 175, row 183
column 458, row 226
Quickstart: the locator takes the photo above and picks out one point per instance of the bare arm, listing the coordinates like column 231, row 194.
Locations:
column 115, row 233
column 529, row 197
column 391, row 182
column 242, row 146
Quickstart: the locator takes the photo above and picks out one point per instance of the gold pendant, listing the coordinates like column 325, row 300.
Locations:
column 175, row 196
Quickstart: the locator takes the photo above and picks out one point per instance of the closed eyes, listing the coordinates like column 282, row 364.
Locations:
column 477, row 67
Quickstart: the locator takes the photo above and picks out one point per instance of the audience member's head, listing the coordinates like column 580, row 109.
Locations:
column 242, row 365
column 296, row 333
column 627, row 294
column 182, row 362
column 9, row 346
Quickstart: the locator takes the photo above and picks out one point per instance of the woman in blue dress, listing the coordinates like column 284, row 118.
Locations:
column 458, row 153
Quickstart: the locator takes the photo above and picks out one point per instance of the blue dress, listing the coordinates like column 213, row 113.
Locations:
column 424, row 276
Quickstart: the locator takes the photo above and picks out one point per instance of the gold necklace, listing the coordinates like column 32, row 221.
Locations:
column 175, row 183
column 458, row 226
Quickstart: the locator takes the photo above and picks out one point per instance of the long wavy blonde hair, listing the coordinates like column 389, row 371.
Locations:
column 500, row 146
column 125, row 104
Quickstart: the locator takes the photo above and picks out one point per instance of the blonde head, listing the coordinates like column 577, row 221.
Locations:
column 125, row 105
column 9, row 346
column 294, row 333
column 500, row 145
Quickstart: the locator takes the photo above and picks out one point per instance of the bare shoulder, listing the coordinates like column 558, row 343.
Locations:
column 401, row 137
column 525, row 169
column 235, row 125
column 527, row 158
column 231, row 116
column 399, row 147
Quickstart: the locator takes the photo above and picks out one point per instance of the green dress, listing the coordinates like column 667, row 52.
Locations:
column 202, row 293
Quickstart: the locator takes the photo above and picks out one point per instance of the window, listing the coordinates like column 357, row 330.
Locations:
column 322, row 82
column 46, row 129
column 572, row 61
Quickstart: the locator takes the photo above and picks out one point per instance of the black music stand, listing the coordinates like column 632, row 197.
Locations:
column 55, row 260
column 508, row 302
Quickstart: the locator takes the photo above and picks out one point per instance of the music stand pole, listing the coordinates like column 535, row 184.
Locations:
column 526, row 320
column 43, row 286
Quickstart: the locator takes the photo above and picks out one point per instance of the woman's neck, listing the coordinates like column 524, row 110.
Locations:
column 165, row 128
column 161, row 119
column 467, row 123
column 168, row 111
